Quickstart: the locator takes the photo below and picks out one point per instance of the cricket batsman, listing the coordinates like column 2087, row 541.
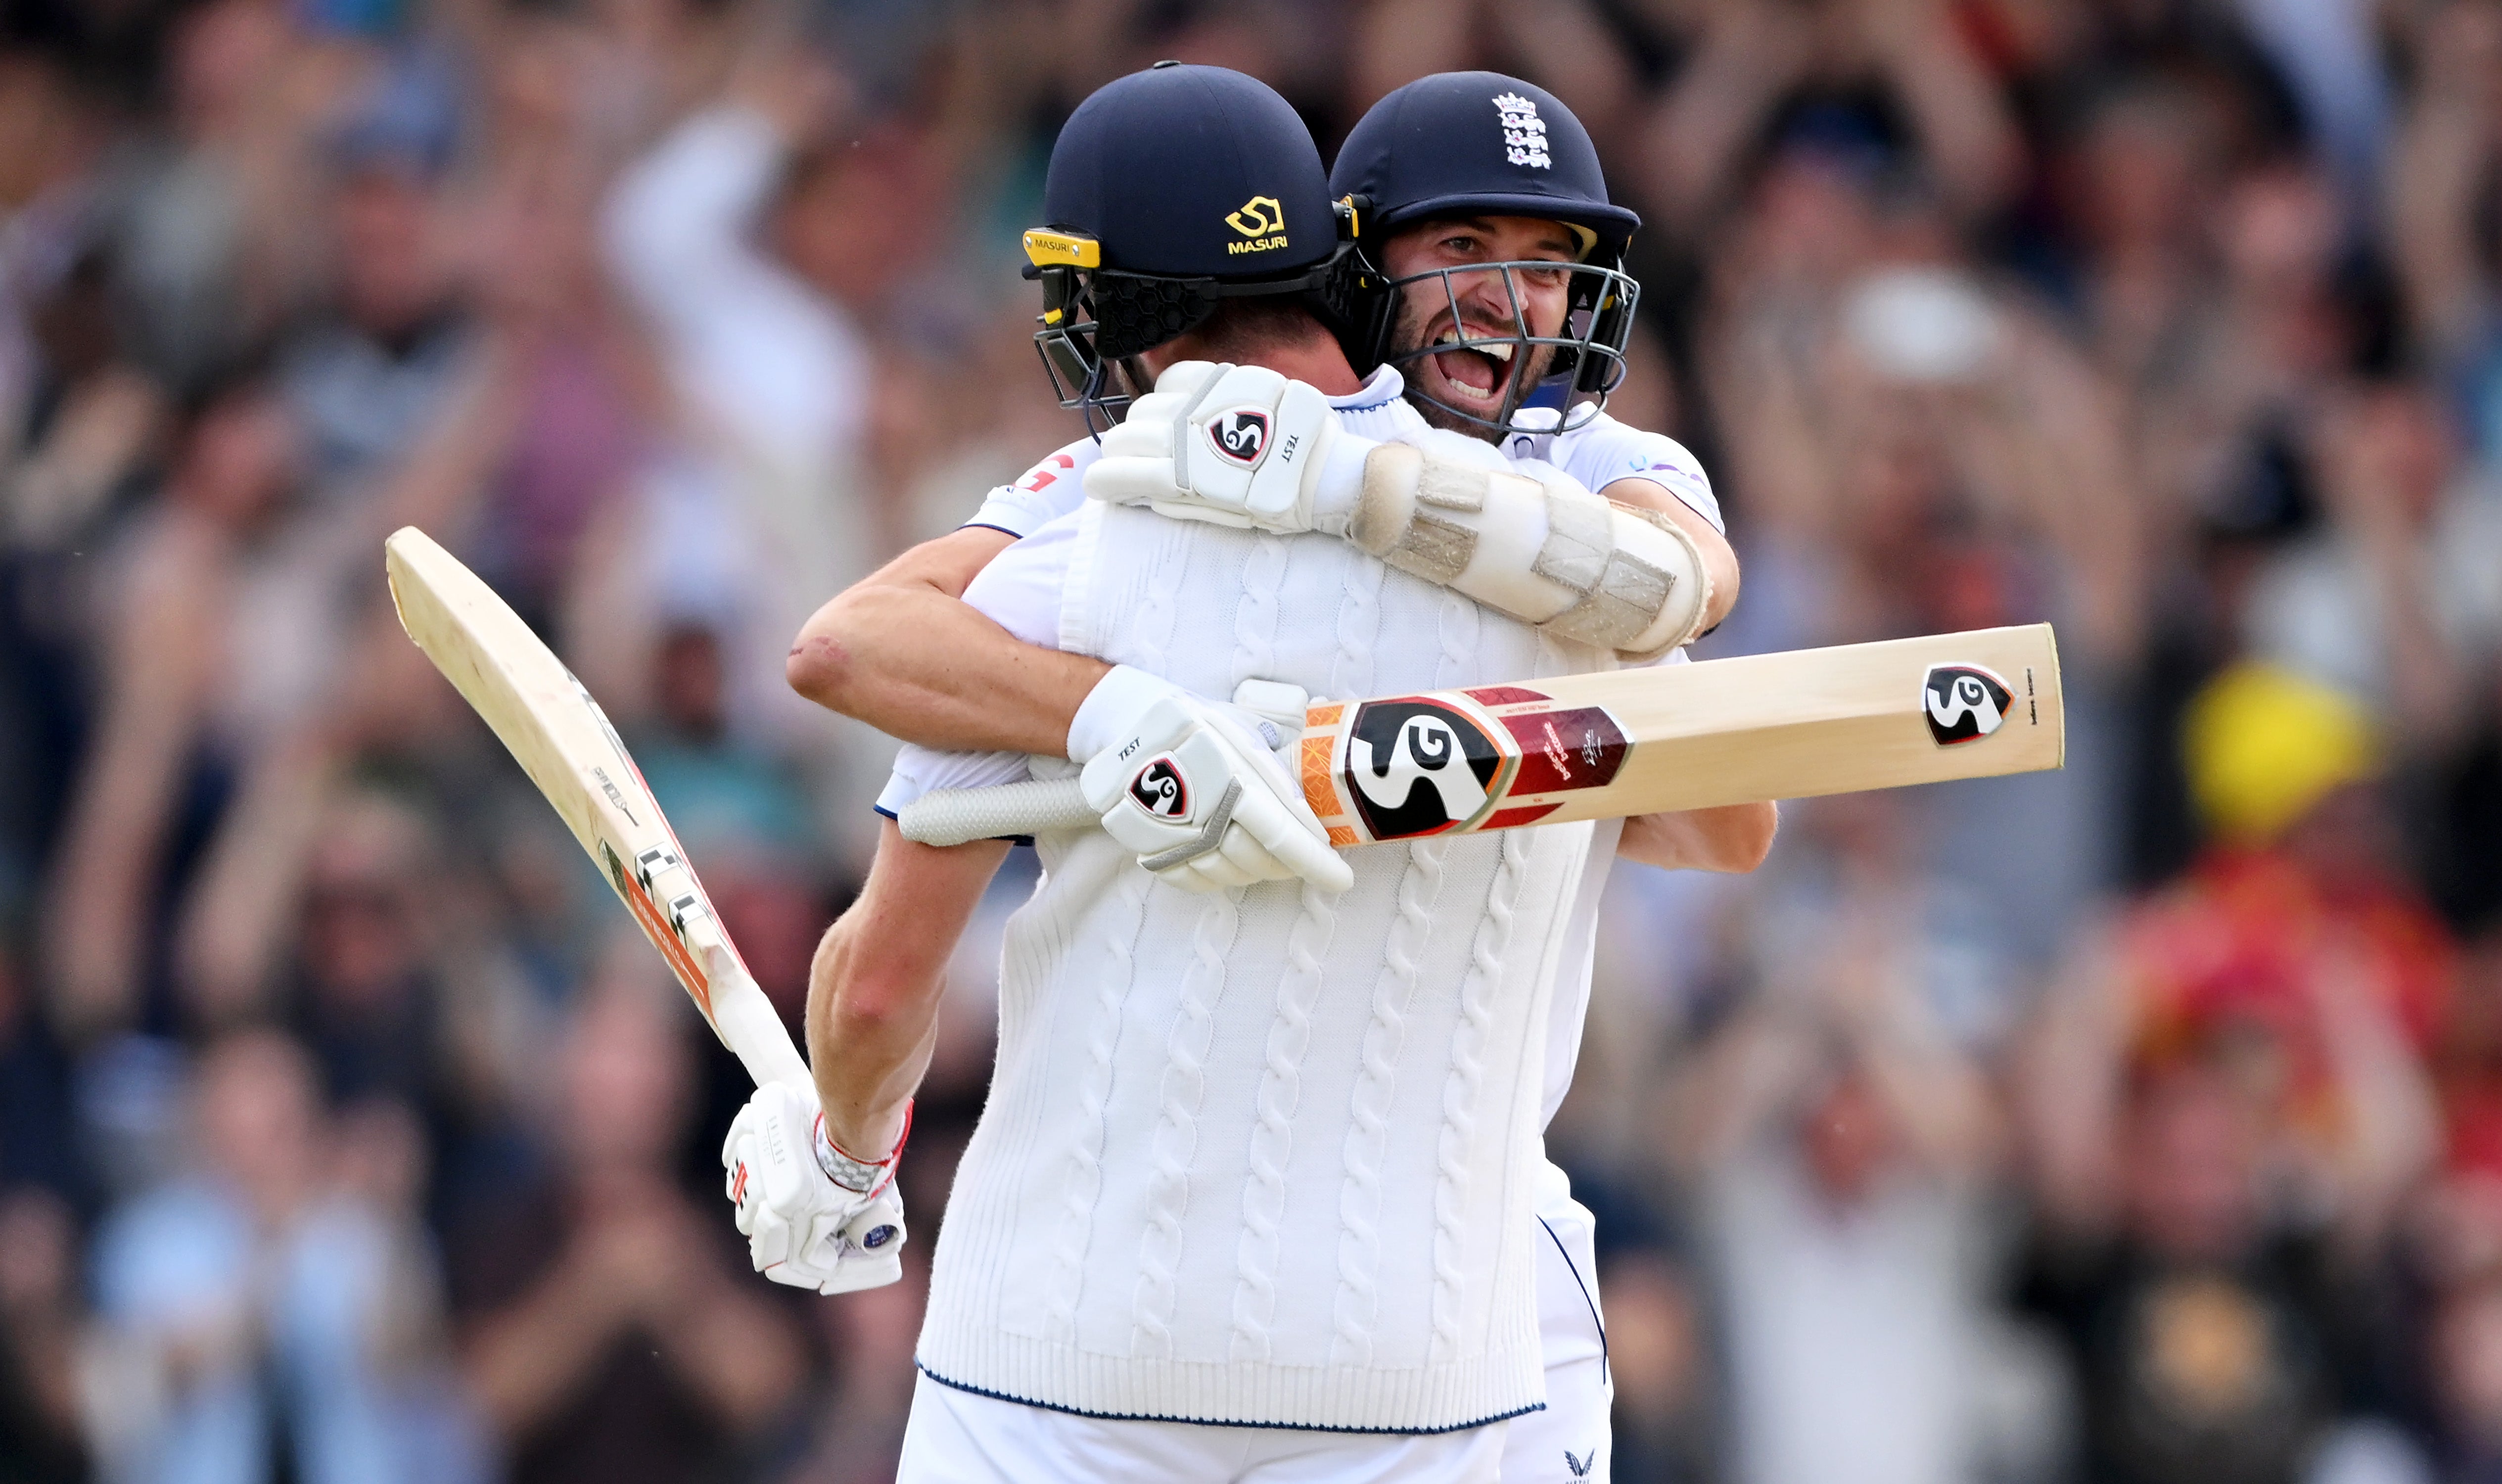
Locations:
column 1264, row 1155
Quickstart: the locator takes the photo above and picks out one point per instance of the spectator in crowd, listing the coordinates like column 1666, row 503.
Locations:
column 257, row 1317
column 2466, row 1337
column 2143, row 158
column 751, row 243
column 611, row 1330
column 188, row 684
column 2205, row 1337
column 1843, row 1137
column 42, row 1437
column 2397, row 599
column 2455, row 1243
column 2444, row 162
column 367, row 369
column 37, row 1146
column 1658, row 1359
column 2227, row 1105
column 204, row 202
column 857, row 1425
column 88, row 421
column 389, row 1016
column 1751, row 62
column 718, row 791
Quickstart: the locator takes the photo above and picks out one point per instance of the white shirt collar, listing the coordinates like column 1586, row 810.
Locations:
column 1382, row 387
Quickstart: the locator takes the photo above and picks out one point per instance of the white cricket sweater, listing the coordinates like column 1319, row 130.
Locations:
column 1266, row 1157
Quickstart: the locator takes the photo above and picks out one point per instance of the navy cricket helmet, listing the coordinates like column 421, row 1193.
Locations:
column 1172, row 190
column 1480, row 144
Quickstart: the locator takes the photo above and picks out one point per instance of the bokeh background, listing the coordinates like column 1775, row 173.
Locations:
column 2141, row 1123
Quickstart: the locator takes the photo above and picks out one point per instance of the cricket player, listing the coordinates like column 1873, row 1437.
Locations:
column 1474, row 394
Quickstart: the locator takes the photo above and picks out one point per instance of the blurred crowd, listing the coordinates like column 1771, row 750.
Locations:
column 2140, row 1122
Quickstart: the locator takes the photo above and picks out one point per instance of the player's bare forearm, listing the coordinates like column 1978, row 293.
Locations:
column 902, row 651
column 1733, row 838
column 873, row 988
column 1719, row 558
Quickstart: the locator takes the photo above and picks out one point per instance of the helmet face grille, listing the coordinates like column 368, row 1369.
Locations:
column 1095, row 321
column 1088, row 331
column 1582, row 361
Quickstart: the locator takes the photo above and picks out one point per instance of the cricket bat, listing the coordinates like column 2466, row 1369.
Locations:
column 1617, row 743
column 562, row 741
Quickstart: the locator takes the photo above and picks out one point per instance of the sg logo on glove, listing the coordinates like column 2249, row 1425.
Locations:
column 1240, row 435
column 1159, row 789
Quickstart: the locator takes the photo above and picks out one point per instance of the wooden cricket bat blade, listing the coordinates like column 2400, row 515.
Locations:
column 1615, row 743
column 562, row 741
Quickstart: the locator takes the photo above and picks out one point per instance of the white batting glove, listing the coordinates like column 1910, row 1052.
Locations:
column 1196, row 788
column 1237, row 446
column 813, row 1216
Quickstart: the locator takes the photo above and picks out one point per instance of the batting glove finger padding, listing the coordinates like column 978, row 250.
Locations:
column 802, row 1226
column 1545, row 551
column 1239, row 446
column 1194, row 789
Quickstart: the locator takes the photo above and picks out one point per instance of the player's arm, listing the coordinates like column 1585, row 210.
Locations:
column 902, row 651
column 1242, row 817
column 1719, row 558
column 811, row 1170
column 1244, row 446
column 874, row 986
column 1733, row 838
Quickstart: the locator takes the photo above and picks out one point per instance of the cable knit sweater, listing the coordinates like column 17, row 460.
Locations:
column 1267, row 1158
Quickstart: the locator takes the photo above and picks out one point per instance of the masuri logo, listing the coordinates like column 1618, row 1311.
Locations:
column 1262, row 220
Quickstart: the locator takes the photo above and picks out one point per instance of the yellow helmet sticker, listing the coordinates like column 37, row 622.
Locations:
column 1048, row 248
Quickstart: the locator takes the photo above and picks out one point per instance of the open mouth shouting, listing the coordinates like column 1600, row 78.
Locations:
column 1476, row 371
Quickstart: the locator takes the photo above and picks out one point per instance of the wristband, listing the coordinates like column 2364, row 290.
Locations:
column 861, row 1177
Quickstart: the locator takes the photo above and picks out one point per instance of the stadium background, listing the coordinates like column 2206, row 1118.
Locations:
column 2141, row 1123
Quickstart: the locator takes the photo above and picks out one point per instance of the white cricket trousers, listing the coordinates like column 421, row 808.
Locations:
column 963, row 1437
column 1568, row 1442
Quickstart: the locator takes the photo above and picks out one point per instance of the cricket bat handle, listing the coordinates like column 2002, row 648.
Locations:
column 1036, row 806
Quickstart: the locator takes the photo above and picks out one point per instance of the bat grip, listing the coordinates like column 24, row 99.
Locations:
column 744, row 1018
column 751, row 1028
column 1036, row 806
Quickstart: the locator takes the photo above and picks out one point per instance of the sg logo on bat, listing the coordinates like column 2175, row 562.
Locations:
column 1417, row 767
column 1962, row 703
